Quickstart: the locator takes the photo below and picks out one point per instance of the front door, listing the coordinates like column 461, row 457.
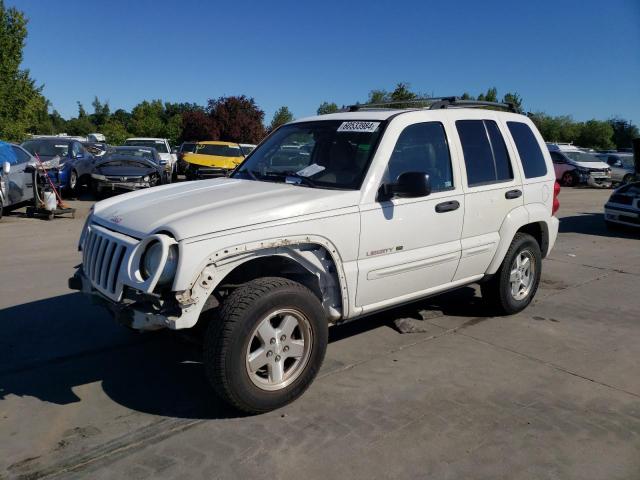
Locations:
column 410, row 245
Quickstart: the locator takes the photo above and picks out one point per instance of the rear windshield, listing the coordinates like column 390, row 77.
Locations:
column 46, row 148
column 146, row 153
column 188, row 147
column 219, row 150
column 159, row 145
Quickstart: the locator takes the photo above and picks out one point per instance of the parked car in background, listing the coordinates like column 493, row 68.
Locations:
column 16, row 177
column 246, row 148
column 623, row 207
column 587, row 168
column 212, row 159
column 128, row 168
column 76, row 163
column 161, row 145
column 97, row 149
column 621, row 164
column 185, row 147
column 96, row 138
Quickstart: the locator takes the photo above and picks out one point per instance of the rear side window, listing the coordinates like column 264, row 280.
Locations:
column 485, row 153
column 529, row 150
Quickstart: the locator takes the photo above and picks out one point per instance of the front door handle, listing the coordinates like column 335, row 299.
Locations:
column 511, row 194
column 447, row 206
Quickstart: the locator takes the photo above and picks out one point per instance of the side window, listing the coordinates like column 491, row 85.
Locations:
column 485, row 153
column 21, row 156
column 557, row 158
column 423, row 147
column 76, row 149
column 529, row 150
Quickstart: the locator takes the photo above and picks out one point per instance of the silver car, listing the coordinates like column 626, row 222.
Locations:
column 622, row 166
column 16, row 178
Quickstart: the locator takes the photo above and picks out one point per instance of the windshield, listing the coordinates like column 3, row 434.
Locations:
column 582, row 157
column 331, row 154
column 247, row 149
column 188, row 147
column 46, row 148
column 219, row 150
column 146, row 153
column 159, row 145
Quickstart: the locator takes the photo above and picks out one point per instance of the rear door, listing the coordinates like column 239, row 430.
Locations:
column 410, row 245
column 493, row 188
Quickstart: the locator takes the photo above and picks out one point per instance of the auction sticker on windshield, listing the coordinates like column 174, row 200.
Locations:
column 358, row 126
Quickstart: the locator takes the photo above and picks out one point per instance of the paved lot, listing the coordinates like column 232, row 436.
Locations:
column 553, row 392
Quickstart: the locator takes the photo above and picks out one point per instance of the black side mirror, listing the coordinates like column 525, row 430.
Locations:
column 408, row 185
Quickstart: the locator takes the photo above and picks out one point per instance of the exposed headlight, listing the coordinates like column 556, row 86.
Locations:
column 146, row 178
column 151, row 262
column 97, row 176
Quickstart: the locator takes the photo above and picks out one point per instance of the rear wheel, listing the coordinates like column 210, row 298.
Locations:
column 267, row 345
column 628, row 178
column 516, row 282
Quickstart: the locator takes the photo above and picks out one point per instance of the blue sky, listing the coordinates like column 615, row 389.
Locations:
column 564, row 57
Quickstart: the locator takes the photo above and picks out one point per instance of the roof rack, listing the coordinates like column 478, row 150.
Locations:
column 436, row 103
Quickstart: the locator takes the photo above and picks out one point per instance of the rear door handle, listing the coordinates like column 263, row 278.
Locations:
column 511, row 194
column 447, row 206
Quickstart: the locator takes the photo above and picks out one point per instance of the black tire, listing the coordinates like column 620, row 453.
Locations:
column 628, row 178
column 569, row 179
column 97, row 192
column 228, row 336
column 73, row 187
column 497, row 291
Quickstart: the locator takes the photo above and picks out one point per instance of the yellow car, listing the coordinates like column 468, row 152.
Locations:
column 212, row 159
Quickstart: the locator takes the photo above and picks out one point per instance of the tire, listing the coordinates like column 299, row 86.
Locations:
column 235, row 337
column 628, row 178
column 569, row 179
column 73, row 185
column 497, row 292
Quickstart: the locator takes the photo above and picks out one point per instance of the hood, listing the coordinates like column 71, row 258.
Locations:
column 590, row 165
column 189, row 209
column 212, row 160
column 139, row 164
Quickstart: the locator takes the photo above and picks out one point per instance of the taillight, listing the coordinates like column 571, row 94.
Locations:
column 556, row 202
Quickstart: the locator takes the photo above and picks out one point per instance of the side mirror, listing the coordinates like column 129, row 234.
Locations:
column 6, row 168
column 408, row 185
column 30, row 167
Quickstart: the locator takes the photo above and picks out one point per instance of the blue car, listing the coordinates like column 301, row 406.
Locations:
column 76, row 163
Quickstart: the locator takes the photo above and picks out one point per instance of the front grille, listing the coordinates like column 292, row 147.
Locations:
column 123, row 179
column 102, row 258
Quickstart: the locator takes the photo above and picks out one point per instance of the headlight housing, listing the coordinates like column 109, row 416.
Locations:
column 151, row 262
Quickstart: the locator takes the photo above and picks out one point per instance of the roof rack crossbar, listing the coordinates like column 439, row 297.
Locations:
column 436, row 103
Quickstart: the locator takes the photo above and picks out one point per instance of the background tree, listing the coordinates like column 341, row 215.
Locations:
column 237, row 119
column 197, row 125
column 596, row 134
column 101, row 112
column 514, row 98
column 23, row 108
column 115, row 132
column 283, row 115
column 623, row 132
column 326, row 107
column 81, row 125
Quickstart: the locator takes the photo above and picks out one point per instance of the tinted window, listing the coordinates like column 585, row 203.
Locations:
column 21, row 155
column 485, row 153
column 159, row 145
column 557, row 157
column 218, row 150
column 46, row 148
column 423, row 148
column 529, row 150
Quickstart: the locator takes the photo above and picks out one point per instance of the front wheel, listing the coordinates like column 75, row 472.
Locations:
column 628, row 178
column 569, row 179
column 516, row 282
column 72, row 186
column 267, row 345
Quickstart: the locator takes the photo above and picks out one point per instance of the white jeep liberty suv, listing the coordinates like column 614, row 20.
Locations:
column 329, row 219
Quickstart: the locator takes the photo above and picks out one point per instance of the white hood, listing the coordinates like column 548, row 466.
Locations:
column 598, row 165
column 190, row 209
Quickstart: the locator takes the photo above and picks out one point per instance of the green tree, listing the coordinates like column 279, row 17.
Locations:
column 378, row 96
column 326, row 107
column 623, row 132
column 115, row 131
column 147, row 119
column 513, row 98
column 82, row 124
column 23, row 108
column 283, row 115
column 596, row 134
column 101, row 112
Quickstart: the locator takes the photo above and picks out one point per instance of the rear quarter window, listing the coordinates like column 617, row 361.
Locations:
column 529, row 150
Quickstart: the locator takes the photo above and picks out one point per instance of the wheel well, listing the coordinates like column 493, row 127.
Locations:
column 271, row 266
column 540, row 232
